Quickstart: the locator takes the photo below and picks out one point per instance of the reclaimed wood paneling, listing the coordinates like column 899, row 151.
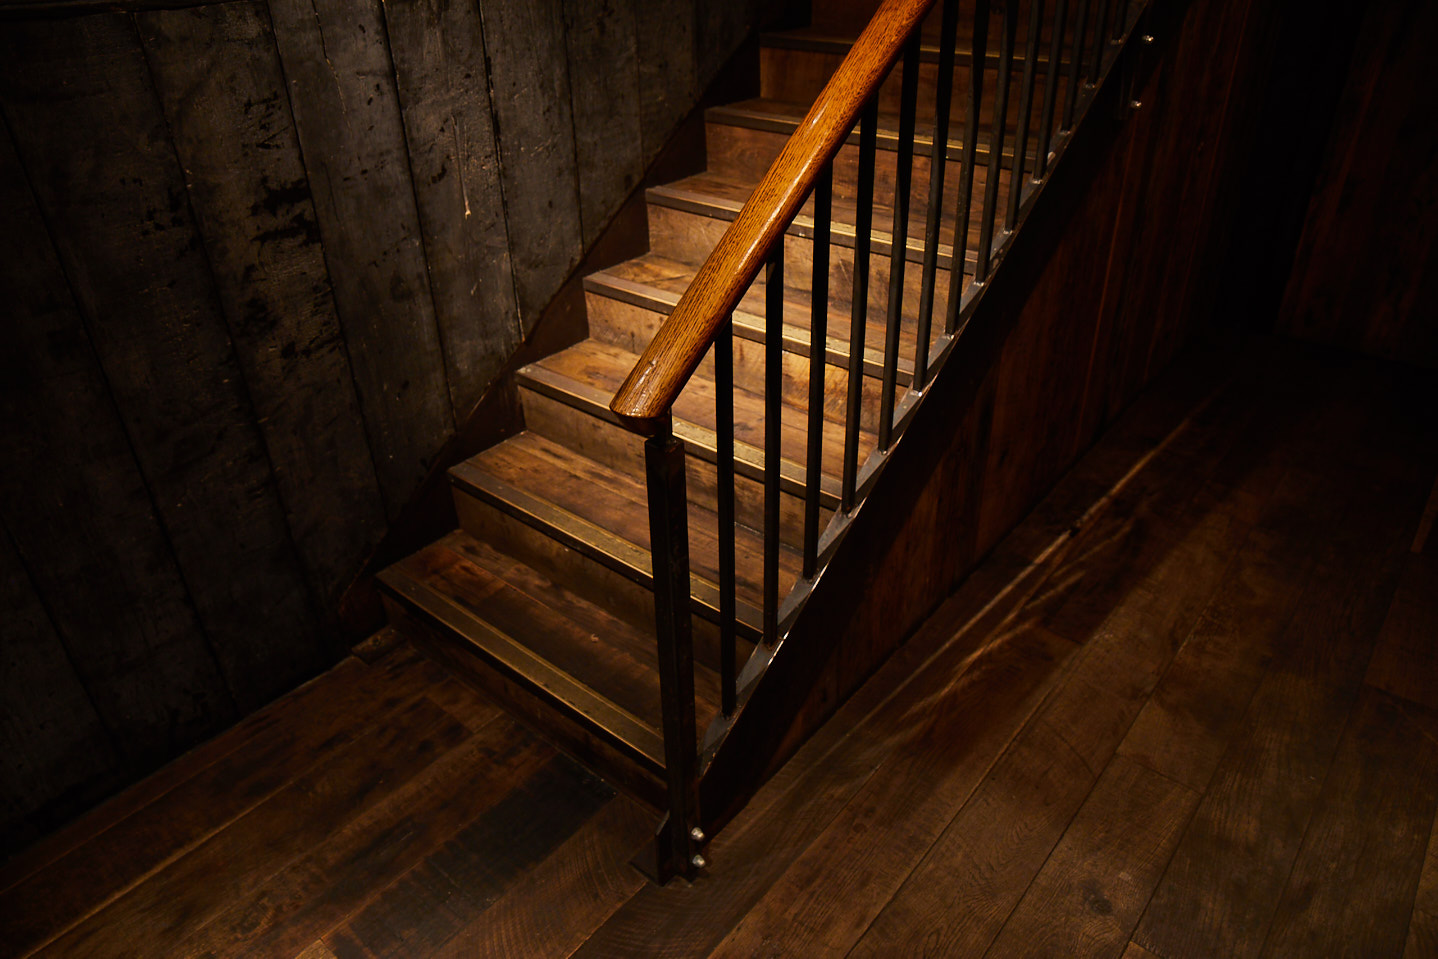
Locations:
column 83, row 521
column 1366, row 272
column 607, row 133
column 530, row 80
column 665, row 46
column 220, row 84
column 77, row 93
column 438, row 48
column 346, row 108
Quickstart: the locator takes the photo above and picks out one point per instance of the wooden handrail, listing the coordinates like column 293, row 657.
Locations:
column 647, row 394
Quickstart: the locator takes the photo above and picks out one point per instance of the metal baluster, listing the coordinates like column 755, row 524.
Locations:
column 669, row 539
column 859, row 317
column 1075, row 71
column 818, row 360
column 996, row 140
column 1100, row 42
column 1120, row 22
column 1051, row 85
column 724, row 469
column 773, row 408
column 966, row 174
column 1026, row 107
column 899, row 252
column 938, row 163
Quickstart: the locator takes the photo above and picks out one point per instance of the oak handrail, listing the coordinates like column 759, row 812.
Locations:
column 646, row 395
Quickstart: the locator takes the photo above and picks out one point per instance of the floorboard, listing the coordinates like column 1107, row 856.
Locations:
column 1186, row 708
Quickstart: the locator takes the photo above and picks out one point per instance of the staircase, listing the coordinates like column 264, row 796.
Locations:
column 544, row 595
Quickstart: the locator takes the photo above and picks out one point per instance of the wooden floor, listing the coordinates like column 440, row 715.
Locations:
column 1188, row 708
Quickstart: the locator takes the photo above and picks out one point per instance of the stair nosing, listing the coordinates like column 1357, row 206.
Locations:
column 748, row 459
column 601, row 545
column 928, row 52
column 633, row 735
column 842, row 234
column 747, row 325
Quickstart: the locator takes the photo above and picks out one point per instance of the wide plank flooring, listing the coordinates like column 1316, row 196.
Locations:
column 1188, row 708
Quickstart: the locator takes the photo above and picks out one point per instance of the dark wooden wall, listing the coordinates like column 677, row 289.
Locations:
column 1365, row 276
column 260, row 260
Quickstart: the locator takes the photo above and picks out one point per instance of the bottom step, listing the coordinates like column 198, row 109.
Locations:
column 581, row 677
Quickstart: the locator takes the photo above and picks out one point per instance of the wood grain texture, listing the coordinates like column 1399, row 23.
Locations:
column 1352, row 886
column 439, row 60
column 118, row 207
column 220, row 83
column 346, row 110
column 601, row 39
column 530, row 83
column 1422, row 937
column 55, row 752
column 664, row 49
column 131, row 633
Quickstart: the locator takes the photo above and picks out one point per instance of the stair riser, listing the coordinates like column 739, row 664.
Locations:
column 632, row 327
column 745, row 153
column 690, row 236
column 582, row 575
column 797, row 76
column 606, row 443
column 535, row 711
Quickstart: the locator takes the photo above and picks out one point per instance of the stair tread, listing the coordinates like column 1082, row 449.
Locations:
column 657, row 282
column 587, row 661
column 724, row 196
column 604, row 367
column 784, row 116
column 618, row 503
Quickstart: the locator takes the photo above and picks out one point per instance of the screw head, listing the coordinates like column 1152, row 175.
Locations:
column 698, row 861
column 696, row 834
column 1146, row 39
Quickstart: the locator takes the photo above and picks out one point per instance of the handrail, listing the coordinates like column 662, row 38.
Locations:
column 646, row 395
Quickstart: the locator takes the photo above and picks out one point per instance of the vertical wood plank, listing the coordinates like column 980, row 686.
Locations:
column 604, row 92
column 346, row 109
column 219, row 81
column 667, row 85
column 78, row 96
column 719, row 27
column 530, row 81
column 438, row 49
column 55, row 754
column 88, row 532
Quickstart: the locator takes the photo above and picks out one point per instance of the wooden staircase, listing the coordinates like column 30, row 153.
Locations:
column 543, row 597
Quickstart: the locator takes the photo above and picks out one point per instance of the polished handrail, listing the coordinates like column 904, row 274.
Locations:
column 651, row 388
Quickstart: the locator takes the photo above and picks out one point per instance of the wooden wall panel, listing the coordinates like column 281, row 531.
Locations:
column 667, row 81
column 220, row 84
column 438, row 49
column 83, row 522
column 56, row 752
column 346, row 108
column 530, row 80
column 1366, row 273
column 604, row 88
column 77, row 95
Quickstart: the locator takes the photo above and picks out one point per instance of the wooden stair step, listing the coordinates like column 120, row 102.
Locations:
column 597, row 369
column 566, row 665
column 603, row 516
column 795, row 64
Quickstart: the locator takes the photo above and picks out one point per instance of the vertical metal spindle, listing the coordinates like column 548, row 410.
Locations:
column 996, row 140
column 1100, row 42
column 1051, row 85
column 964, row 206
column 818, row 360
column 1075, row 68
column 773, row 408
column 1120, row 21
column 859, row 316
column 938, row 163
column 899, row 253
column 724, row 469
column 1026, row 107
column 669, row 539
